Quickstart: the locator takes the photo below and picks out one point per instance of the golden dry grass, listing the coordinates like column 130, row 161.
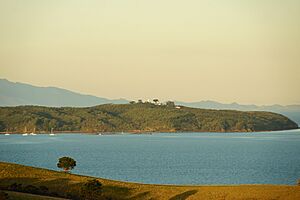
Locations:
column 64, row 183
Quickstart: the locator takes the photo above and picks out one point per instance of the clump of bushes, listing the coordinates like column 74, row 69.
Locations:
column 3, row 195
column 16, row 187
column 92, row 190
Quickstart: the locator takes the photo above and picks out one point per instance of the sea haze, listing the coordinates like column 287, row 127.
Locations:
column 164, row 158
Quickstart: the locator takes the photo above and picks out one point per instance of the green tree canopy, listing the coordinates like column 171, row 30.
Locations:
column 66, row 163
column 155, row 101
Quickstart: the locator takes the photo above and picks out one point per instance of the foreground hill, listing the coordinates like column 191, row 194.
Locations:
column 66, row 185
column 139, row 117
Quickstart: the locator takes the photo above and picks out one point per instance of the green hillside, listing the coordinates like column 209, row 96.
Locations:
column 138, row 117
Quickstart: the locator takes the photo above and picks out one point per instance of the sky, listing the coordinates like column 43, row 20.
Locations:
column 222, row 50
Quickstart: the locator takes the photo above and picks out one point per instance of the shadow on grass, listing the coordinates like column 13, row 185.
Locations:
column 51, row 183
column 116, row 191
column 142, row 195
column 63, row 187
column 55, row 187
column 184, row 195
column 5, row 182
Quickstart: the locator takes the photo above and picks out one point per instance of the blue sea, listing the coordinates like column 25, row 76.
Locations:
column 167, row 158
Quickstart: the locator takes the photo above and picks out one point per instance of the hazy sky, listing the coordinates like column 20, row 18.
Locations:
column 245, row 51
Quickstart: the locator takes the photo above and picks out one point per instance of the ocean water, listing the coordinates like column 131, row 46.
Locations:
column 167, row 158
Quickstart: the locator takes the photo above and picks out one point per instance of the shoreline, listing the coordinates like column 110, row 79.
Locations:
column 138, row 132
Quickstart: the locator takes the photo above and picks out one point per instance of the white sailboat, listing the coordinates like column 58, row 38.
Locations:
column 6, row 132
column 33, row 133
column 25, row 131
column 51, row 133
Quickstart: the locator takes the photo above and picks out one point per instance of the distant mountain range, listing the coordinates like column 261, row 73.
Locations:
column 291, row 111
column 15, row 94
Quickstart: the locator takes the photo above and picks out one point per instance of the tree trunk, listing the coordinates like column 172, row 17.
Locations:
column 66, row 169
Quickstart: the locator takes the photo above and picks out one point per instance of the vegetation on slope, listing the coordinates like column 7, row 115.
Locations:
column 67, row 185
column 138, row 117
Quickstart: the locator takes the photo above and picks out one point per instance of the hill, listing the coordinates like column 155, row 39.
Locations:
column 291, row 111
column 65, row 185
column 139, row 117
column 15, row 94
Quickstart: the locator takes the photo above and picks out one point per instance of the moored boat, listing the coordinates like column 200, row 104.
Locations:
column 51, row 133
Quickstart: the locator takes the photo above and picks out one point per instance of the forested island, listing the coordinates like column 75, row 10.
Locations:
column 138, row 118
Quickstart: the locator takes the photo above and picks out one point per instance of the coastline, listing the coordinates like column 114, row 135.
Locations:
column 137, row 119
column 141, row 132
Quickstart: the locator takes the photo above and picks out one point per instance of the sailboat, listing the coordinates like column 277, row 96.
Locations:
column 25, row 131
column 51, row 133
column 6, row 132
column 33, row 133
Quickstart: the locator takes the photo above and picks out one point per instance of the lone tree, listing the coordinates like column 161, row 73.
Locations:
column 140, row 101
column 66, row 163
column 155, row 101
column 132, row 102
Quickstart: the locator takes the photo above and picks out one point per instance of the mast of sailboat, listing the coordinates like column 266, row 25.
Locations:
column 51, row 131
column 25, row 129
column 6, row 133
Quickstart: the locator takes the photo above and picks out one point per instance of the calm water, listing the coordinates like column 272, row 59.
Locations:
column 186, row 158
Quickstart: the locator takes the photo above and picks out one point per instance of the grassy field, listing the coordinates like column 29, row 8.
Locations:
column 26, row 196
column 64, row 184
